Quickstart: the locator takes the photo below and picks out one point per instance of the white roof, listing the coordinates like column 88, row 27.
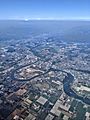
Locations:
column 49, row 117
column 42, row 100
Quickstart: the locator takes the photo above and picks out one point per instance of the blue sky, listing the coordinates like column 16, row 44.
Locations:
column 44, row 9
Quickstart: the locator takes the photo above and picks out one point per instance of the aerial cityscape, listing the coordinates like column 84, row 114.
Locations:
column 45, row 60
column 44, row 77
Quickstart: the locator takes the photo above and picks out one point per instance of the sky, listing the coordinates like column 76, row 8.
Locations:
column 44, row 9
